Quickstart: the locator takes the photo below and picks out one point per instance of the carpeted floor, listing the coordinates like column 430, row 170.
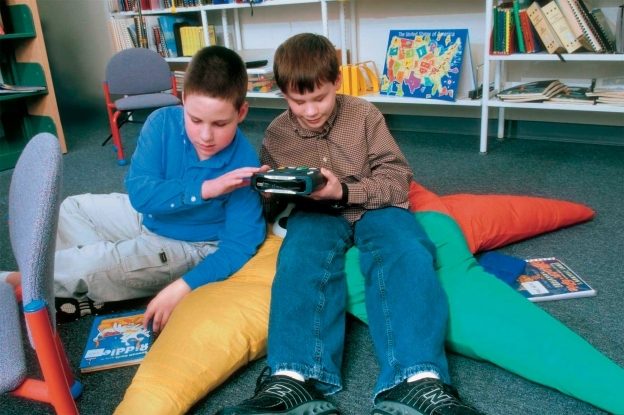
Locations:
column 447, row 164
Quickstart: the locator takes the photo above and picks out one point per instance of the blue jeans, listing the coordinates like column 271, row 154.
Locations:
column 406, row 305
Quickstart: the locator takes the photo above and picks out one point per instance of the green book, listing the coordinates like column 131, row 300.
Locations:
column 519, row 35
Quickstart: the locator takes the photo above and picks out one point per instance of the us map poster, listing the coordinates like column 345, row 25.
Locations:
column 424, row 63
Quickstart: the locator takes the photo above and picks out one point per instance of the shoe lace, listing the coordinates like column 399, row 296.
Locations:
column 264, row 377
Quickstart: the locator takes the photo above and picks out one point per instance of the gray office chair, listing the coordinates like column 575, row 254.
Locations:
column 34, row 199
column 140, row 79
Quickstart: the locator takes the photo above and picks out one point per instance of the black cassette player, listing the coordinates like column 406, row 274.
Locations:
column 300, row 180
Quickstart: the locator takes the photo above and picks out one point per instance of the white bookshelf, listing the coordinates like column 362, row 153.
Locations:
column 353, row 21
column 499, row 64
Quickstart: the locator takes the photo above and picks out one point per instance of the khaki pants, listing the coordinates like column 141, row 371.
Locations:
column 104, row 252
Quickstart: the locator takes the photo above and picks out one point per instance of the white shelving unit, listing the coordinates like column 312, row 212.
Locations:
column 493, row 65
column 500, row 62
column 233, row 8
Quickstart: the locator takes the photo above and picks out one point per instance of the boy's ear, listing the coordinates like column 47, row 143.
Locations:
column 338, row 82
column 243, row 111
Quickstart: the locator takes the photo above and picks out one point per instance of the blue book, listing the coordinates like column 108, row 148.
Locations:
column 424, row 63
column 116, row 340
column 168, row 26
column 548, row 279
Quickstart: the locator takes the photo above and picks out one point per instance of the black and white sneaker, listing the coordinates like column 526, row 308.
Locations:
column 282, row 395
column 423, row 397
column 70, row 309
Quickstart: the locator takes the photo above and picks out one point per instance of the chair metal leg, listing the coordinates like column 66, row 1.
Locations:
column 117, row 139
column 122, row 122
column 58, row 382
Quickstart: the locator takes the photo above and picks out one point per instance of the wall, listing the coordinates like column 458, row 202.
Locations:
column 79, row 46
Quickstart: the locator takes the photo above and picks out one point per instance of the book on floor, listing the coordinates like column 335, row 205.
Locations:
column 116, row 340
column 546, row 279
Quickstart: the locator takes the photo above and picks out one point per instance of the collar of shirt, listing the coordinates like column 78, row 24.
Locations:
column 305, row 133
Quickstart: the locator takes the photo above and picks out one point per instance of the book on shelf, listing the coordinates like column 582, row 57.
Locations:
column 518, row 25
column 504, row 30
column 430, row 64
column 574, row 95
column 575, row 26
column 604, row 28
column 589, row 26
column 532, row 91
column 619, row 30
column 609, row 84
column 608, row 90
column 116, row 340
column 530, row 36
column 169, row 25
column 546, row 279
column 544, row 29
column 560, row 25
column 19, row 89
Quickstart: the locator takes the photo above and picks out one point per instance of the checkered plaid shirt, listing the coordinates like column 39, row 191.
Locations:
column 355, row 145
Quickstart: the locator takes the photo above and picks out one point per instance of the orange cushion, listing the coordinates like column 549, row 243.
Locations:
column 491, row 221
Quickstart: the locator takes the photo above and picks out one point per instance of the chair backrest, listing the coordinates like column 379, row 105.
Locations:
column 34, row 200
column 137, row 71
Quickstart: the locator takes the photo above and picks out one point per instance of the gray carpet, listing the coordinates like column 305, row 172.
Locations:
column 447, row 164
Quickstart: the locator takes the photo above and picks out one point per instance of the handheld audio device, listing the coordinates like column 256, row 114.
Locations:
column 300, row 180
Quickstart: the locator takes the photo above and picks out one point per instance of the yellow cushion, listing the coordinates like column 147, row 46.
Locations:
column 214, row 331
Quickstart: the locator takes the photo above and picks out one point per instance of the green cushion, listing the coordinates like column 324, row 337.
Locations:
column 490, row 321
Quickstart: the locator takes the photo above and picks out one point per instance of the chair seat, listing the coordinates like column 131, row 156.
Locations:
column 157, row 100
column 13, row 363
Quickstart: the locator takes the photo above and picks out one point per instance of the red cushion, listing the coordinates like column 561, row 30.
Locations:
column 491, row 221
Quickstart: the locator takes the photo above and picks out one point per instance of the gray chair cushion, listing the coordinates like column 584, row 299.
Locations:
column 12, row 359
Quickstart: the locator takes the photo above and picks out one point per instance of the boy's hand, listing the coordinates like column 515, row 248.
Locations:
column 332, row 190
column 161, row 307
column 229, row 182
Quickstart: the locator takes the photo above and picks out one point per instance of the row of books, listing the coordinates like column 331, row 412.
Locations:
column 557, row 26
column 133, row 5
column 601, row 91
column 170, row 36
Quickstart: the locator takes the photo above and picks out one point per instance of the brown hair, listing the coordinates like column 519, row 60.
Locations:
column 305, row 61
column 217, row 72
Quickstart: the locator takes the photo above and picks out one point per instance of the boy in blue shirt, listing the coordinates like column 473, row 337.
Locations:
column 189, row 218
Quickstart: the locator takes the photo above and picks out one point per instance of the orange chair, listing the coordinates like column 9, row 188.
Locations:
column 140, row 79
column 34, row 199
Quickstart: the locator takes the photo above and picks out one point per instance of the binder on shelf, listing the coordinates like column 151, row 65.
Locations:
column 575, row 27
column 545, row 31
column 359, row 79
column 585, row 20
column 604, row 28
column 560, row 25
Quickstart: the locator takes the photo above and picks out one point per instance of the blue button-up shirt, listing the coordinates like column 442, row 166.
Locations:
column 164, row 184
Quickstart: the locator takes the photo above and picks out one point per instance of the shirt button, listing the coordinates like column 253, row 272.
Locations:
column 193, row 198
column 172, row 205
